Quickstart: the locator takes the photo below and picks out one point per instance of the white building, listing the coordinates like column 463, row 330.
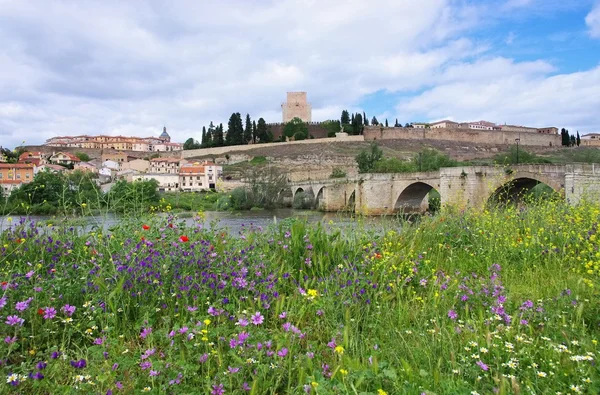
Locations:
column 444, row 124
column 166, row 182
column 199, row 176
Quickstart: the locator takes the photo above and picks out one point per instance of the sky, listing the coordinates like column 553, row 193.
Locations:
column 131, row 67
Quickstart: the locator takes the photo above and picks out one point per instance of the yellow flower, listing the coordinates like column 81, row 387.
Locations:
column 381, row 392
column 343, row 371
column 207, row 322
column 339, row 349
column 314, row 384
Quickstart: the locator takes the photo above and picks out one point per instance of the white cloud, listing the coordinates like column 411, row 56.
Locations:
column 593, row 21
column 124, row 68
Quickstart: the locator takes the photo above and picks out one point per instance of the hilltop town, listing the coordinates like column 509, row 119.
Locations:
column 195, row 166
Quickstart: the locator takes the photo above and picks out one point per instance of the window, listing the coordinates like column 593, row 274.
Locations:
column 19, row 176
column 27, row 175
column 1, row 175
column 197, row 178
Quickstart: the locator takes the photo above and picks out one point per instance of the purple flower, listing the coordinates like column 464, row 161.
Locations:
column 482, row 365
column 49, row 313
column 115, row 366
column 98, row 341
column 242, row 322
column 79, row 364
column 203, row 358
column 145, row 332
column 257, row 318
column 13, row 320
column 192, row 308
column 10, row 340
column 452, row 314
column 68, row 310
column 183, row 330
column 310, row 355
column 283, row 315
column 3, row 301
column 524, row 322
column 319, row 312
column 283, row 352
column 41, row 365
column 55, row 354
column 246, row 387
column 21, row 306
column 154, row 373
column 217, row 389
column 146, row 365
column 286, row 326
column 233, row 370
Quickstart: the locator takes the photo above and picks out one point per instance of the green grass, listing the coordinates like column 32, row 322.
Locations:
column 501, row 301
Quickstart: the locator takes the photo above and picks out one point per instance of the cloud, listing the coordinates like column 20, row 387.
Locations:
column 116, row 67
column 592, row 20
column 514, row 93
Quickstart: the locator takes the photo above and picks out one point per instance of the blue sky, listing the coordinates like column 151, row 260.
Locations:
column 129, row 68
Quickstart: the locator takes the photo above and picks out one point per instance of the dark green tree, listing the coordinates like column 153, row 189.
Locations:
column 365, row 119
column 367, row 159
column 352, row 119
column 254, row 132
column 189, row 144
column 578, row 139
column 218, row 139
column 564, row 134
column 296, row 128
column 357, row 125
column 572, row 141
column 408, row 125
column 332, row 127
column 345, row 119
column 386, row 123
column 261, row 131
column 235, row 130
column 203, row 135
column 397, row 125
column 82, row 156
column 248, row 130
column 374, row 121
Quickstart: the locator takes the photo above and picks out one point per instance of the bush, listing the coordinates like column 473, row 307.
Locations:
column 302, row 201
column 337, row 173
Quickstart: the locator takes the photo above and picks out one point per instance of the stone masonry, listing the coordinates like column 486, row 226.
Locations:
column 296, row 106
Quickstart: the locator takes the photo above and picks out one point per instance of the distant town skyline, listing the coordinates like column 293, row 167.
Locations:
column 119, row 68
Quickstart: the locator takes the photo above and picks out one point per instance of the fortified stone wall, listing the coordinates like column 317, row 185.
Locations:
column 463, row 135
column 581, row 183
column 314, row 129
column 97, row 153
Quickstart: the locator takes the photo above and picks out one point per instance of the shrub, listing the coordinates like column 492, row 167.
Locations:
column 302, row 201
column 337, row 173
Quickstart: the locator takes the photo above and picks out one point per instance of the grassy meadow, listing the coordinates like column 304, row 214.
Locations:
column 503, row 301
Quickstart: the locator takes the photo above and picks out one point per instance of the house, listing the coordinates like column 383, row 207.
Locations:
column 140, row 165
column 479, row 125
column 12, row 175
column 37, row 158
column 119, row 157
column 86, row 166
column 199, row 176
column 420, row 125
column 165, row 165
column 444, row 124
column 550, row 130
column 167, row 182
column 591, row 140
column 64, row 158
column 111, row 164
column 50, row 167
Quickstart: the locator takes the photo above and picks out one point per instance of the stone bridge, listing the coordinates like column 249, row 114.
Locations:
column 381, row 194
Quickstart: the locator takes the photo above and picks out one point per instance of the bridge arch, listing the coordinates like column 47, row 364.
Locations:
column 518, row 185
column 414, row 198
column 320, row 196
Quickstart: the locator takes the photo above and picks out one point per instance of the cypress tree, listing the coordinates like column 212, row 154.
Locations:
column 261, row 131
column 254, row 132
column 365, row 119
column 578, row 139
column 248, row 130
column 386, row 123
column 345, row 119
column 374, row 121
column 203, row 134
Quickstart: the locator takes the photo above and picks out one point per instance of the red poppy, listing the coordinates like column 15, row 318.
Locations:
column 4, row 283
column 143, row 239
column 18, row 241
column 170, row 225
column 183, row 239
column 41, row 311
column 145, row 227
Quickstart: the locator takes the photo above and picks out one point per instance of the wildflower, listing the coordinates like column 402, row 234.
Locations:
column 339, row 349
column 217, row 389
column 242, row 322
column 283, row 352
column 12, row 378
column 541, row 374
column 147, row 389
column 282, row 315
column 381, row 392
column 68, row 310
column 49, row 313
column 184, row 239
column 22, row 306
column 145, row 332
column 13, row 320
column 145, row 227
column 232, row 370
column 10, row 340
column 154, row 373
column 452, row 314
column 246, row 387
column 257, row 318
column 79, row 364
column 482, row 365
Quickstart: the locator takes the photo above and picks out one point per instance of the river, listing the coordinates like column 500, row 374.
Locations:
column 232, row 221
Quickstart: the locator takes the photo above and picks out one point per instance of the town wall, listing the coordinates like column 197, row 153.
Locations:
column 462, row 135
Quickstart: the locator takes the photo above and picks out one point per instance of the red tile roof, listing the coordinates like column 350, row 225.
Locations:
column 16, row 166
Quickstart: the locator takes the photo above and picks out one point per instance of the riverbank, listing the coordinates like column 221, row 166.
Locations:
column 501, row 301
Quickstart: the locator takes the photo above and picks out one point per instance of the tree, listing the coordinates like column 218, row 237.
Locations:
column 386, row 123
column 82, row 156
column 564, row 133
column 248, row 130
column 332, row 127
column 578, row 139
column 235, row 130
column 357, row 125
column 254, row 132
column 572, row 141
column 352, row 119
column 189, row 144
column 374, row 121
column 365, row 119
column 210, row 136
column 296, row 128
column 366, row 160
column 203, row 135
column 218, row 138
column 397, row 125
column 345, row 119
column 408, row 125
column 261, row 131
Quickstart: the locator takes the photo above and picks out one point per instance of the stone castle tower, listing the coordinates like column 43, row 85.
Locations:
column 296, row 106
